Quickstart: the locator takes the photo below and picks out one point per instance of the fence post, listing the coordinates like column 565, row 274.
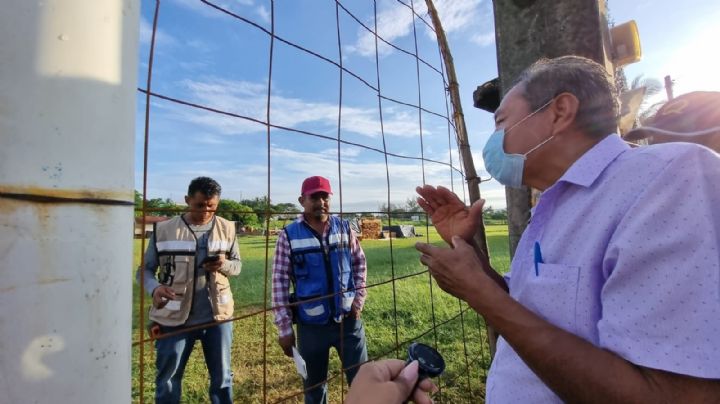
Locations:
column 462, row 140
column 67, row 107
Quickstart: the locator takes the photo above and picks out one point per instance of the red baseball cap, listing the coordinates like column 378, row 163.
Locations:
column 692, row 117
column 315, row 184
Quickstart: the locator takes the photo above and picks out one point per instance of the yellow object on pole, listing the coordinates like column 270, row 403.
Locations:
column 625, row 44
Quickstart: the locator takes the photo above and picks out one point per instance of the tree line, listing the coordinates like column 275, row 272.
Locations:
column 247, row 212
column 252, row 212
column 411, row 208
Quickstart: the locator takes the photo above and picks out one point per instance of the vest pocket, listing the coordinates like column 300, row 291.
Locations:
column 314, row 311
column 173, row 313
column 178, row 267
column 309, row 286
column 221, row 297
column 182, row 268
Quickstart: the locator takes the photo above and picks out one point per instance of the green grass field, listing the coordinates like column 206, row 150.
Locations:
column 406, row 305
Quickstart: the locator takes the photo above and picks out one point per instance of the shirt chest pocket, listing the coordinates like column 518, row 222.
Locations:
column 552, row 294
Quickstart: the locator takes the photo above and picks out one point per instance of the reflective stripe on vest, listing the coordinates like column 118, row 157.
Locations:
column 175, row 245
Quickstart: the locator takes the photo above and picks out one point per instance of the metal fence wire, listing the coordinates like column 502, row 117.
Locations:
column 261, row 372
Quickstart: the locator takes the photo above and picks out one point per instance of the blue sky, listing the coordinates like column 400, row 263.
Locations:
column 678, row 39
column 206, row 57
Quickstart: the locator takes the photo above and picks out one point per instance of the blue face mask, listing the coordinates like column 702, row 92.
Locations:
column 507, row 169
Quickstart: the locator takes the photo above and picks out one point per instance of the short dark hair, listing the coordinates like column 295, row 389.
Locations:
column 587, row 80
column 205, row 185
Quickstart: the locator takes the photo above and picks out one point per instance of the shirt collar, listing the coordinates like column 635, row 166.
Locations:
column 301, row 218
column 590, row 165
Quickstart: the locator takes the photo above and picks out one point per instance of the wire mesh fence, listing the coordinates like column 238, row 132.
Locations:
column 404, row 304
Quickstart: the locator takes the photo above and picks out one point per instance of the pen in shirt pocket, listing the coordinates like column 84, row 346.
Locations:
column 537, row 258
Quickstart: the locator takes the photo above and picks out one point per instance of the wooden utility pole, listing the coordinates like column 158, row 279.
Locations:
column 527, row 30
column 459, row 118
column 669, row 87
column 462, row 141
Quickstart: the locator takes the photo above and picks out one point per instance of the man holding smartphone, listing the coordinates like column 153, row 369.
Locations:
column 187, row 264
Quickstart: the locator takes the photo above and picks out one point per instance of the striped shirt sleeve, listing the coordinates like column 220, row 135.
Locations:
column 281, row 286
column 359, row 272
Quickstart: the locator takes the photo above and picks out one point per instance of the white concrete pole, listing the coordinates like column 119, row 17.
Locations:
column 67, row 106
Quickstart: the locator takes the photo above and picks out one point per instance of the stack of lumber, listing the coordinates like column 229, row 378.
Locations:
column 371, row 228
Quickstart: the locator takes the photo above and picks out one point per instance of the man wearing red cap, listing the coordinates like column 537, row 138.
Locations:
column 322, row 258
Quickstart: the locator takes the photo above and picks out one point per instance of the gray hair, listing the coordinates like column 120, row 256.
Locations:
column 587, row 80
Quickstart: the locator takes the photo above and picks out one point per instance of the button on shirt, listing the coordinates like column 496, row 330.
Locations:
column 630, row 247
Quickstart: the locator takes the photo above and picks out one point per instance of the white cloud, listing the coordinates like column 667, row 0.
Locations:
column 209, row 139
column 200, row 45
column 162, row 39
column 194, row 65
column 263, row 12
column 455, row 15
column 249, row 99
column 364, row 181
column 392, row 23
column 396, row 22
column 494, row 195
column 345, row 151
column 349, row 152
column 485, row 39
column 207, row 11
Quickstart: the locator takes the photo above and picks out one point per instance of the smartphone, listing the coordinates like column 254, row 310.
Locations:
column 210, row 258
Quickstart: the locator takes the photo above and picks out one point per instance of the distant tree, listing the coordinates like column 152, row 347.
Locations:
column 392, row 208
column 621, row 84
column 157, row 204
column 286, row 208
column 411, row 205
column 397, row 211
column 162, row 207
column 259, row 205
column 237, row 212
column 138, row 203
column 652, row 88
column 494, row 214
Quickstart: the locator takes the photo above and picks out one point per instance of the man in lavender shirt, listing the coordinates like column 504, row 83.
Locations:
column 613, row 294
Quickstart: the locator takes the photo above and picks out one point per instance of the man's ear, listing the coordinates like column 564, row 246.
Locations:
column 187, row 200
column 301, row 199
column 565, row 110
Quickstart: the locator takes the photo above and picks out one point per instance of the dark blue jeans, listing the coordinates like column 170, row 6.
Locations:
column 172, row 356
column 314, row 342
